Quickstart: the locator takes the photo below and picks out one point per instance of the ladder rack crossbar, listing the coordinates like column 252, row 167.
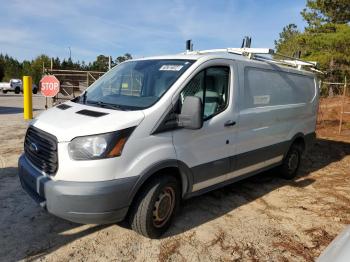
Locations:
column 254, row 53
column 239, row 51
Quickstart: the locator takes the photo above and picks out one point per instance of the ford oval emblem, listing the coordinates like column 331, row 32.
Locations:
column 33, row 147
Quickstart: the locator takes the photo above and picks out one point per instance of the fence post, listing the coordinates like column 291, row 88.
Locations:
column 342, row 107
column 87, row 79
column 27, row 98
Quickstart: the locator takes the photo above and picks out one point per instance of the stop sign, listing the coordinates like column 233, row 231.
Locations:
column 49, row 86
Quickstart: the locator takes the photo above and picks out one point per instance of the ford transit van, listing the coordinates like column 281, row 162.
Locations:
column 154, row 131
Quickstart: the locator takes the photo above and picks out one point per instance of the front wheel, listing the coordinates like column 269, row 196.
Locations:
column 17, row 90
column 291, row 163
column 155, row 206
column 35, row 90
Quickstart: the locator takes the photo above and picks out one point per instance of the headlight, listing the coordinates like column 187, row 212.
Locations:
column 99, row 146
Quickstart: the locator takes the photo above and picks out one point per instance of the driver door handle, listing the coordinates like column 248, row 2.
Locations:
column 230, row 123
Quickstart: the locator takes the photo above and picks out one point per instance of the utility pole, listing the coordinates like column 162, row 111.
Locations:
column 70, row 53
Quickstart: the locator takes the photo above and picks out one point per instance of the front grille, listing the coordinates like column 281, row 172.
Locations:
column 41, row 150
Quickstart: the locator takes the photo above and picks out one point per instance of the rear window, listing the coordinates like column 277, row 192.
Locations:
column 263, row 87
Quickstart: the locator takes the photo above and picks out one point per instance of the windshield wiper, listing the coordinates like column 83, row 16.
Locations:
column 84, row 97
column 105, row 105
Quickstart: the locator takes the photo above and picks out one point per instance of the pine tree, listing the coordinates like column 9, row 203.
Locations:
column 326, row 39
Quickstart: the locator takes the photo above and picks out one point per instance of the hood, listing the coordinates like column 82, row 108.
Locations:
column 70, row 120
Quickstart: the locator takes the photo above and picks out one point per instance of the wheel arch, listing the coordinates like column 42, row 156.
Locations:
column 173, row 167
column 298, row 138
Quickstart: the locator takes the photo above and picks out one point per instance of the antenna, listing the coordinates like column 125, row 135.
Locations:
column 246, row 43
column 189, row 45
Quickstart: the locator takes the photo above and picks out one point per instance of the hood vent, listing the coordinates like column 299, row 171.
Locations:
column 91, row 113
column 63, row 106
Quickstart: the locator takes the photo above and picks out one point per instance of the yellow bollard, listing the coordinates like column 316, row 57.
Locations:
column 27, row 98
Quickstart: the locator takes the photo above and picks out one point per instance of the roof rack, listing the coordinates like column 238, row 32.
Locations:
column 256, row 53
column 245, row 51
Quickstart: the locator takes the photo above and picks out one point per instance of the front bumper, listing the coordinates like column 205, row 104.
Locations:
column 81, row 202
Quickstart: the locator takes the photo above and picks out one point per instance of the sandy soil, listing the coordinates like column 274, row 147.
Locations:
column 329, row 116
column 260, row 219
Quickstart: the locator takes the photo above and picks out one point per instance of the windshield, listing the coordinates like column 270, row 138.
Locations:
column 136, row 84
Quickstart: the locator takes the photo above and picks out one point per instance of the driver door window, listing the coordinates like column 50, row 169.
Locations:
column 211, row 85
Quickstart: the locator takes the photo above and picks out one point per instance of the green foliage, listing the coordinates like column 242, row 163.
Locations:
column 326, row 39
column 331, row 49
column 100, row 64
column 12, row 68
column 2, row 69
column 123, row 58
column 287, row 43
column 319, row 12
column 37, row 67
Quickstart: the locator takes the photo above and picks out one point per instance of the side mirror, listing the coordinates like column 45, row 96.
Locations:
column 191, row 113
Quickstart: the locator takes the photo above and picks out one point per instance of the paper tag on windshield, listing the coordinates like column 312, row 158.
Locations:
column 171, row 68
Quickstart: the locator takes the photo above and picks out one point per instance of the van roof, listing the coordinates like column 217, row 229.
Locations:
column 225, row 55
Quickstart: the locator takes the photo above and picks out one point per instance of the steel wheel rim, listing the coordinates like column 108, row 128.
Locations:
column 163, row 207
column 293, row 162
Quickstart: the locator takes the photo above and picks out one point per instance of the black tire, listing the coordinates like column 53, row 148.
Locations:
column 291, row 163
column 17, row 90
column 159, row 199
column 4, row 91
column 35, row 90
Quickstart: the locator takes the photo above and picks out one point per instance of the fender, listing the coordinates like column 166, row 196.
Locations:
column 308, row 139
column 295, row 137
column 292, row 140
column 185, row 174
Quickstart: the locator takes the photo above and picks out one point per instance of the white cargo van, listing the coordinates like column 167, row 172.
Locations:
column 156, row 130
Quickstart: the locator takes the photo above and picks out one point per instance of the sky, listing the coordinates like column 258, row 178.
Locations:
column 89, row 28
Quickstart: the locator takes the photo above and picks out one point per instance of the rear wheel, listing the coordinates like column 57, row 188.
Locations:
column 291, row 163
column 155, row 206
column 17, row 90
column 4, row 91
column 35, row 90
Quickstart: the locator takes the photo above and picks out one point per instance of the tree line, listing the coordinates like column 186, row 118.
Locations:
column 12, row 68
column 325, row 39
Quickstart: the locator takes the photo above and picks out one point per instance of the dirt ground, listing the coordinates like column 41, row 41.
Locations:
column 260, row 219
column 329, row 116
